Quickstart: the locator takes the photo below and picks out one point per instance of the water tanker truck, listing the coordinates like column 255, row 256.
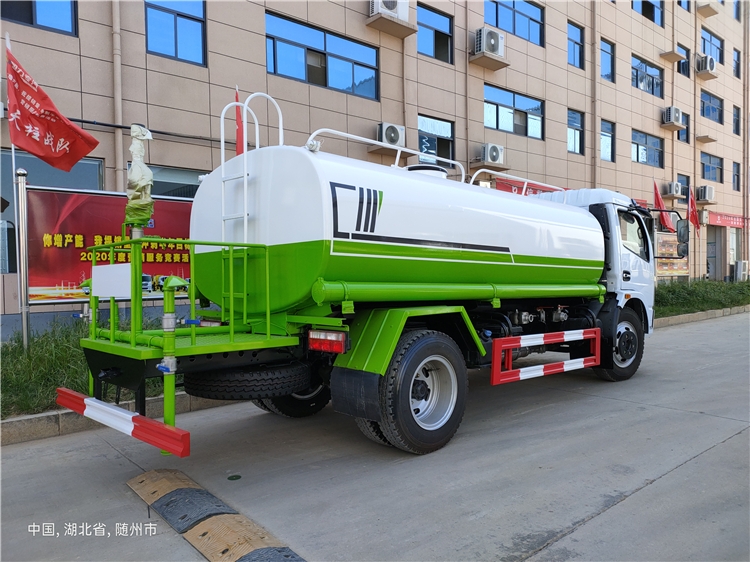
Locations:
column 317, row 278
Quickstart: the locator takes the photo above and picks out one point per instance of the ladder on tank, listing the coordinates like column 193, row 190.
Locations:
column 245, row 174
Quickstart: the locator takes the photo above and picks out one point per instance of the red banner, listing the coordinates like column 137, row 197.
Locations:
column 724, row 219
column 36, row 125
column 63, row 223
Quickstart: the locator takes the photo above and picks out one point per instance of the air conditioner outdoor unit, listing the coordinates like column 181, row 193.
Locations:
column 489, row 41
column 703, row 216
column 395, row 8
column 707, row 66
column 740, row 270
column 672, row 116
column 674, row 189
column 705, row 193
column 493, row 153
column 394, row 135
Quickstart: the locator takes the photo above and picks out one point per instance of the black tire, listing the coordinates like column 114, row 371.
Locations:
column 372, row 430
column 423, row 393
column 260, row 404
column 628, row 348
column 264, row 382
column 300, row 404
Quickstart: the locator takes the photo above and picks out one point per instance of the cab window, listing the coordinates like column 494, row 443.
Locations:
column 632, row 234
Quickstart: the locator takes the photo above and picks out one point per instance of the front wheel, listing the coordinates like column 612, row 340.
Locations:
column 423, row 392
column 628, row 348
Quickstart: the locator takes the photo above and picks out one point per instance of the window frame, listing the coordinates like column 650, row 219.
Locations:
column 709, row 39
column 495, row 21
column 177, row 16
column 427, row 134
column 657, row 10
column 686, row 131
column 636, row 72
column 328, row 54
column 611, row 55
column 736, row 176
column 435, row 30
column 736, row 63
column 709, row 105
column 612, row 136
column 649, row 149
column 683, row 66
column 737, row 120
column 578, row 133
column 685, row 187
column 73, row 15
column 684, row 4
column 737, row 10
column 578, row 47
column 711, row 162
column 516, row 110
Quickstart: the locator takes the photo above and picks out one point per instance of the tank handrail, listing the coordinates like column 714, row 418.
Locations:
column 525, row 181
column 314, row 146
column 278, row 112
column 244, row 129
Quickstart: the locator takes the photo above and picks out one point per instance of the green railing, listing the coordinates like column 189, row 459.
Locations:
column 154, row 338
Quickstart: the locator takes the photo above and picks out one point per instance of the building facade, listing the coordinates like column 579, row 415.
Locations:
column 570, row 93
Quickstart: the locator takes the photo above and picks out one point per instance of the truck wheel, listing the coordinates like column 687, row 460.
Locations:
column 300, row 404
column 261, row 404
column 423, row 392
column 628, row 350
column 265, row 382
column 372, row 430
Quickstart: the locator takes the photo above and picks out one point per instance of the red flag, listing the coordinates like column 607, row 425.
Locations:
column 693, row 212
column 36, row 125
column 664, row 218
column 239, row 131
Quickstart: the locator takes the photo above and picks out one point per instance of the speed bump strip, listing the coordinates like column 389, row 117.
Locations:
column 186, row 507
column 213, row 528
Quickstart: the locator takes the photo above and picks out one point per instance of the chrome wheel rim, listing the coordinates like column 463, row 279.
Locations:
column 626, row 344
column 433, row 393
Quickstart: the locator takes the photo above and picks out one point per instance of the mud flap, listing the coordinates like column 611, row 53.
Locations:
column 608, row 316
column 356, row 393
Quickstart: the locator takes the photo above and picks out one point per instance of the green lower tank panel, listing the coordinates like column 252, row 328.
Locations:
column 295, row 268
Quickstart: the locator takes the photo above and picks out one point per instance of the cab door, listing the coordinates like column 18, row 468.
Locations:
column 636, row 260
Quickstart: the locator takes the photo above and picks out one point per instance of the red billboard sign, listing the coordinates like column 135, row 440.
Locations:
column 62, row 224
column 725, row 219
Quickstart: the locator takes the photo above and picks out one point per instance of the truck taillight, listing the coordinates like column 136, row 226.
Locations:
column 331, row 342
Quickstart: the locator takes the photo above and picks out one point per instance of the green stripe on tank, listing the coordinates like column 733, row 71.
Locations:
column 455, row 254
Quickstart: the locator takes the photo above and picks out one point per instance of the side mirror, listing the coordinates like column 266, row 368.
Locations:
column 683, row 232
column 682, row 250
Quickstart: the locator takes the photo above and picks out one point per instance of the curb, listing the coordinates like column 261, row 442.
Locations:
column 64, row 422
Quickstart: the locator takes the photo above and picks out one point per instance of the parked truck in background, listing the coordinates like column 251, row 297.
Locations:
column 326, row 279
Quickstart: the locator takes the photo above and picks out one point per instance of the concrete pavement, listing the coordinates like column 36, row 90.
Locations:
column 564, row 467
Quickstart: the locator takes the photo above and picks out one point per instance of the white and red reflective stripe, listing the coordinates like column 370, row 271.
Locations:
column 166, row 437
column 502, row 371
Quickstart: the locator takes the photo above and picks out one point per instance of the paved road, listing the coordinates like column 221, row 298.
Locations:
column 561, row 468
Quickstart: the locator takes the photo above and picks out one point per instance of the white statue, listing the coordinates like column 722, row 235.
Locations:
column 140, row 206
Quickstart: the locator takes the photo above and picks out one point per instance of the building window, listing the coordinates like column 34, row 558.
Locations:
column 607, row 141
column 647, row 77
column 435, row 35
column 575, row 45
column 524, row 19
column 712, row 107
column 712, row 167
column 514, row 113
column 55, row 15
column 647, row 149
column 435, row 137
column 308, row 54
column 608, row 60
column 684, row 181
column 684, row 4
column 684, row 134
column 736, row 64
column 736, row 121
column 683, row 66
column 712, row 45
column 736, row 176
column 176, row 29
column 737, row 10
column 575, row 131
column 650, row 9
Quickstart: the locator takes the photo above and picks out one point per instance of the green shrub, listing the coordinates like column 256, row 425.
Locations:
column 684, row 298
